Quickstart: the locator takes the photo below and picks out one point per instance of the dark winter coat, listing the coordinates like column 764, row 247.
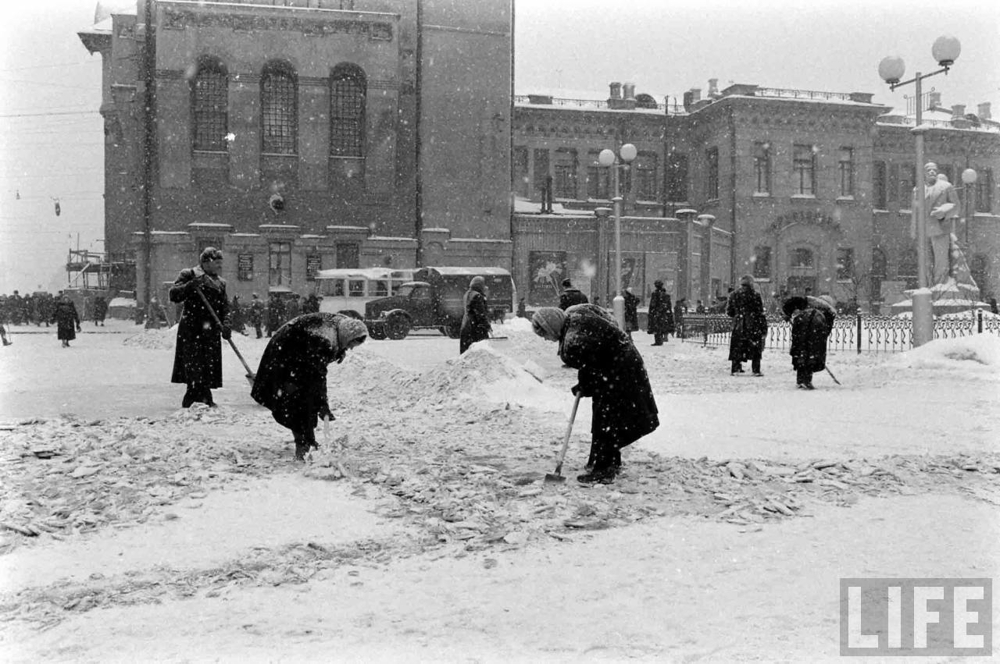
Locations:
column 66, row 319
column 100, row 309
column 611, row 372
column 475, row 321
column 275, row 313
column 661, row 316
column 811, row 329
column 631, row 312
column 291, row 379
column 571, row 296
column 198, row 355
column 749, row 324
column 256, row 312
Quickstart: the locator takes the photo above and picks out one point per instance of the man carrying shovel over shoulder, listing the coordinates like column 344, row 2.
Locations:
column 612, row 373
column 198, row 355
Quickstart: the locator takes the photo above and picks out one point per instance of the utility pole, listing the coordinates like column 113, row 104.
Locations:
column 149, row 150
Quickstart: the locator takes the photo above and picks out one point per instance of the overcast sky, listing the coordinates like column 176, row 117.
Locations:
column 51, row 136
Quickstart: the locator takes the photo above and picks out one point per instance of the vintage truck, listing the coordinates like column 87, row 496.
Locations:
column 435, row 300
column 347, row 290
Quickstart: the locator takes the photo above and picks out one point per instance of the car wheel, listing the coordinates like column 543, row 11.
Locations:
column 397, row 327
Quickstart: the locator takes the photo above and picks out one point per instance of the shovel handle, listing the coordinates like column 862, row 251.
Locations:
column 569, row 430
column 218, row 322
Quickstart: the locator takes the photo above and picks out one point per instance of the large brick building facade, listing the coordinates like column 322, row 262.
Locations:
column 306, row 134
column 802, row 189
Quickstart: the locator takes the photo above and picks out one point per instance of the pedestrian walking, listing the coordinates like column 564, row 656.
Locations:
column 256, row 314
column 679, row 310
column 311, row 304
column 67, row 320
column 611, row 372
column 476, row 320
column 198, row 353
column 746, row 342
column 570, row 295
column 3, row 335
column 631, row 311
column 291, row 380
column 661, row 318
column 275, row 313
column 812, row 321
column 293, row 309
column 237, row 319
column 100, row 310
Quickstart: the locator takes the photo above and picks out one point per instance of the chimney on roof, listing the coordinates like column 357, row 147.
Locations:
column 713, row 88
column 629, row 91
column 616, row 90
column 695, row 95
column 958, row 110
column 984, row 111
column 934, row 100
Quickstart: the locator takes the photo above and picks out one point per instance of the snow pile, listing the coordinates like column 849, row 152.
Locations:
column 365, row 372
column 959, row 353
column 521, row 338
column 484, row 373
column 163, row 339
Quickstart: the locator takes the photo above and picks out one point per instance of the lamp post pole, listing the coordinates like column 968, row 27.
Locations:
column 945, row 51
column 608, row 158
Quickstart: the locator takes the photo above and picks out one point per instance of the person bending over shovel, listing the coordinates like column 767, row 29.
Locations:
column 291, row 380
column 612, row 373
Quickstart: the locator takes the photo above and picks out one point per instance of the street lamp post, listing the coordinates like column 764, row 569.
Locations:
column 946, row 50
column 608, row 158
column 969, row 177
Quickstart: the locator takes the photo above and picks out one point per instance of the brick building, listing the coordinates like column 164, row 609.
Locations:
column 306, row 134
column 802, row 189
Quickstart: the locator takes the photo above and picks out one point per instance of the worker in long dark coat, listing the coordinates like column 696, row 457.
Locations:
column 812, row 321
column 661, row 315
column 571, row 295
column 631, row 311
column 198, row 354
column 612, row 373
column 746, row 342
column 67, row 320
column 291, row 379
column 476, row 319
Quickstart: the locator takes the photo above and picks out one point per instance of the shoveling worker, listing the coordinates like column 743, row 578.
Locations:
column 612, row 373
column 198, row 355
column 291, row 380
column 812, row 321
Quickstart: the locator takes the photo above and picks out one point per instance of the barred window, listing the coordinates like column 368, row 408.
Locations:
column 712, row 157
column 907, row 183
column 210, row 107
column 800, row 257
column 677, row 178
column 646, row 177
column 565, row 173
column 845, row 263
column 984, row 190
column 804, row 170
column 846, row 172
column 279, row 264
column 762, row 262
column 762, row 168
column 880, row 185
column 278, row 110
column 348, row 94
column 598, row 178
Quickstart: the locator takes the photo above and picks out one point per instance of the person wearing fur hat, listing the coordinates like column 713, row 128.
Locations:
column 610, row 371
column 571, row 295
column 291, row 379
column 476, row 320
column 746, row 342
column 812, row 320
column 198, row 353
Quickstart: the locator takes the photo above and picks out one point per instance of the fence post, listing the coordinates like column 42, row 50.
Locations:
column 705, row 333
column 980, row 317
column 859, row 331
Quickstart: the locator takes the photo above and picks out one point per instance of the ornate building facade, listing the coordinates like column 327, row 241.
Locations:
column 306, row 134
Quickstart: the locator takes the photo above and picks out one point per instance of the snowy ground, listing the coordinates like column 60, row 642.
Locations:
column 133, row 530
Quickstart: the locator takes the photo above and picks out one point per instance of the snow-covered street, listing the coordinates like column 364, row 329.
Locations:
column 136, row 530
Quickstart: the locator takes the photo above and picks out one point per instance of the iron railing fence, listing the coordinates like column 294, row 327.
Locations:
column 860, row 333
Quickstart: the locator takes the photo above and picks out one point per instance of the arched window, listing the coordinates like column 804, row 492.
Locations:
column 879, row 263
column 348, row 92
column 278, row 110
column 210, row 106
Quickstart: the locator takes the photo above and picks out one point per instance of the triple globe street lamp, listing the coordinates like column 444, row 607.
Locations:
column 608, row 158
column 946, row 50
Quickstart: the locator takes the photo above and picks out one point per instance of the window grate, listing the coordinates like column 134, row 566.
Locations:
column 210, row 99
column 347, row 115
column 278, row 112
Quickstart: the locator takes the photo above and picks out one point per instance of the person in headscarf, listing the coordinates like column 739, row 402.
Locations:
column 746, row 342
column 812, row 321
column 476, row 320
column 612, row 373
column 291, row 379
column 198, row 354
column 67, row 320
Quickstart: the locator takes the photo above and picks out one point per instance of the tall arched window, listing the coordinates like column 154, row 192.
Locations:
column 278, row 110
column 210, row 106
column 879, row 263
column 348, row 93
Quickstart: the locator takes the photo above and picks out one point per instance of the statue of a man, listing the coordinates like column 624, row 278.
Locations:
column 940, row 209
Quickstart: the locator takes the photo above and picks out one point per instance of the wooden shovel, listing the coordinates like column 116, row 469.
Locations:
column 251, row 376
column 557, row 476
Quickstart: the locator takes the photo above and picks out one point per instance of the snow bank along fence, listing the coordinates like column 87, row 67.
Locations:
column 861, row 332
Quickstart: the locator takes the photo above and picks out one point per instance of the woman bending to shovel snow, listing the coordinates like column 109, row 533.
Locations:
column 612, row 373
column 291, row 380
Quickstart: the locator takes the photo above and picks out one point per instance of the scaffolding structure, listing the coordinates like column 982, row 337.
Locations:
column 94, row 270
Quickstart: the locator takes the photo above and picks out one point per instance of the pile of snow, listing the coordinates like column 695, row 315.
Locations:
column 959, row 353
column 365, row 371
column 484, row 373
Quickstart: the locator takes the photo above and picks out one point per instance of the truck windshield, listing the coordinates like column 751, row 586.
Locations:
column 405, row 290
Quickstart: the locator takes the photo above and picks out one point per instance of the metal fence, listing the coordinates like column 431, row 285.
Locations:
column 861, row 333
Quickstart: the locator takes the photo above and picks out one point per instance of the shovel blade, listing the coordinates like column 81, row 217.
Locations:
column 554, row 478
